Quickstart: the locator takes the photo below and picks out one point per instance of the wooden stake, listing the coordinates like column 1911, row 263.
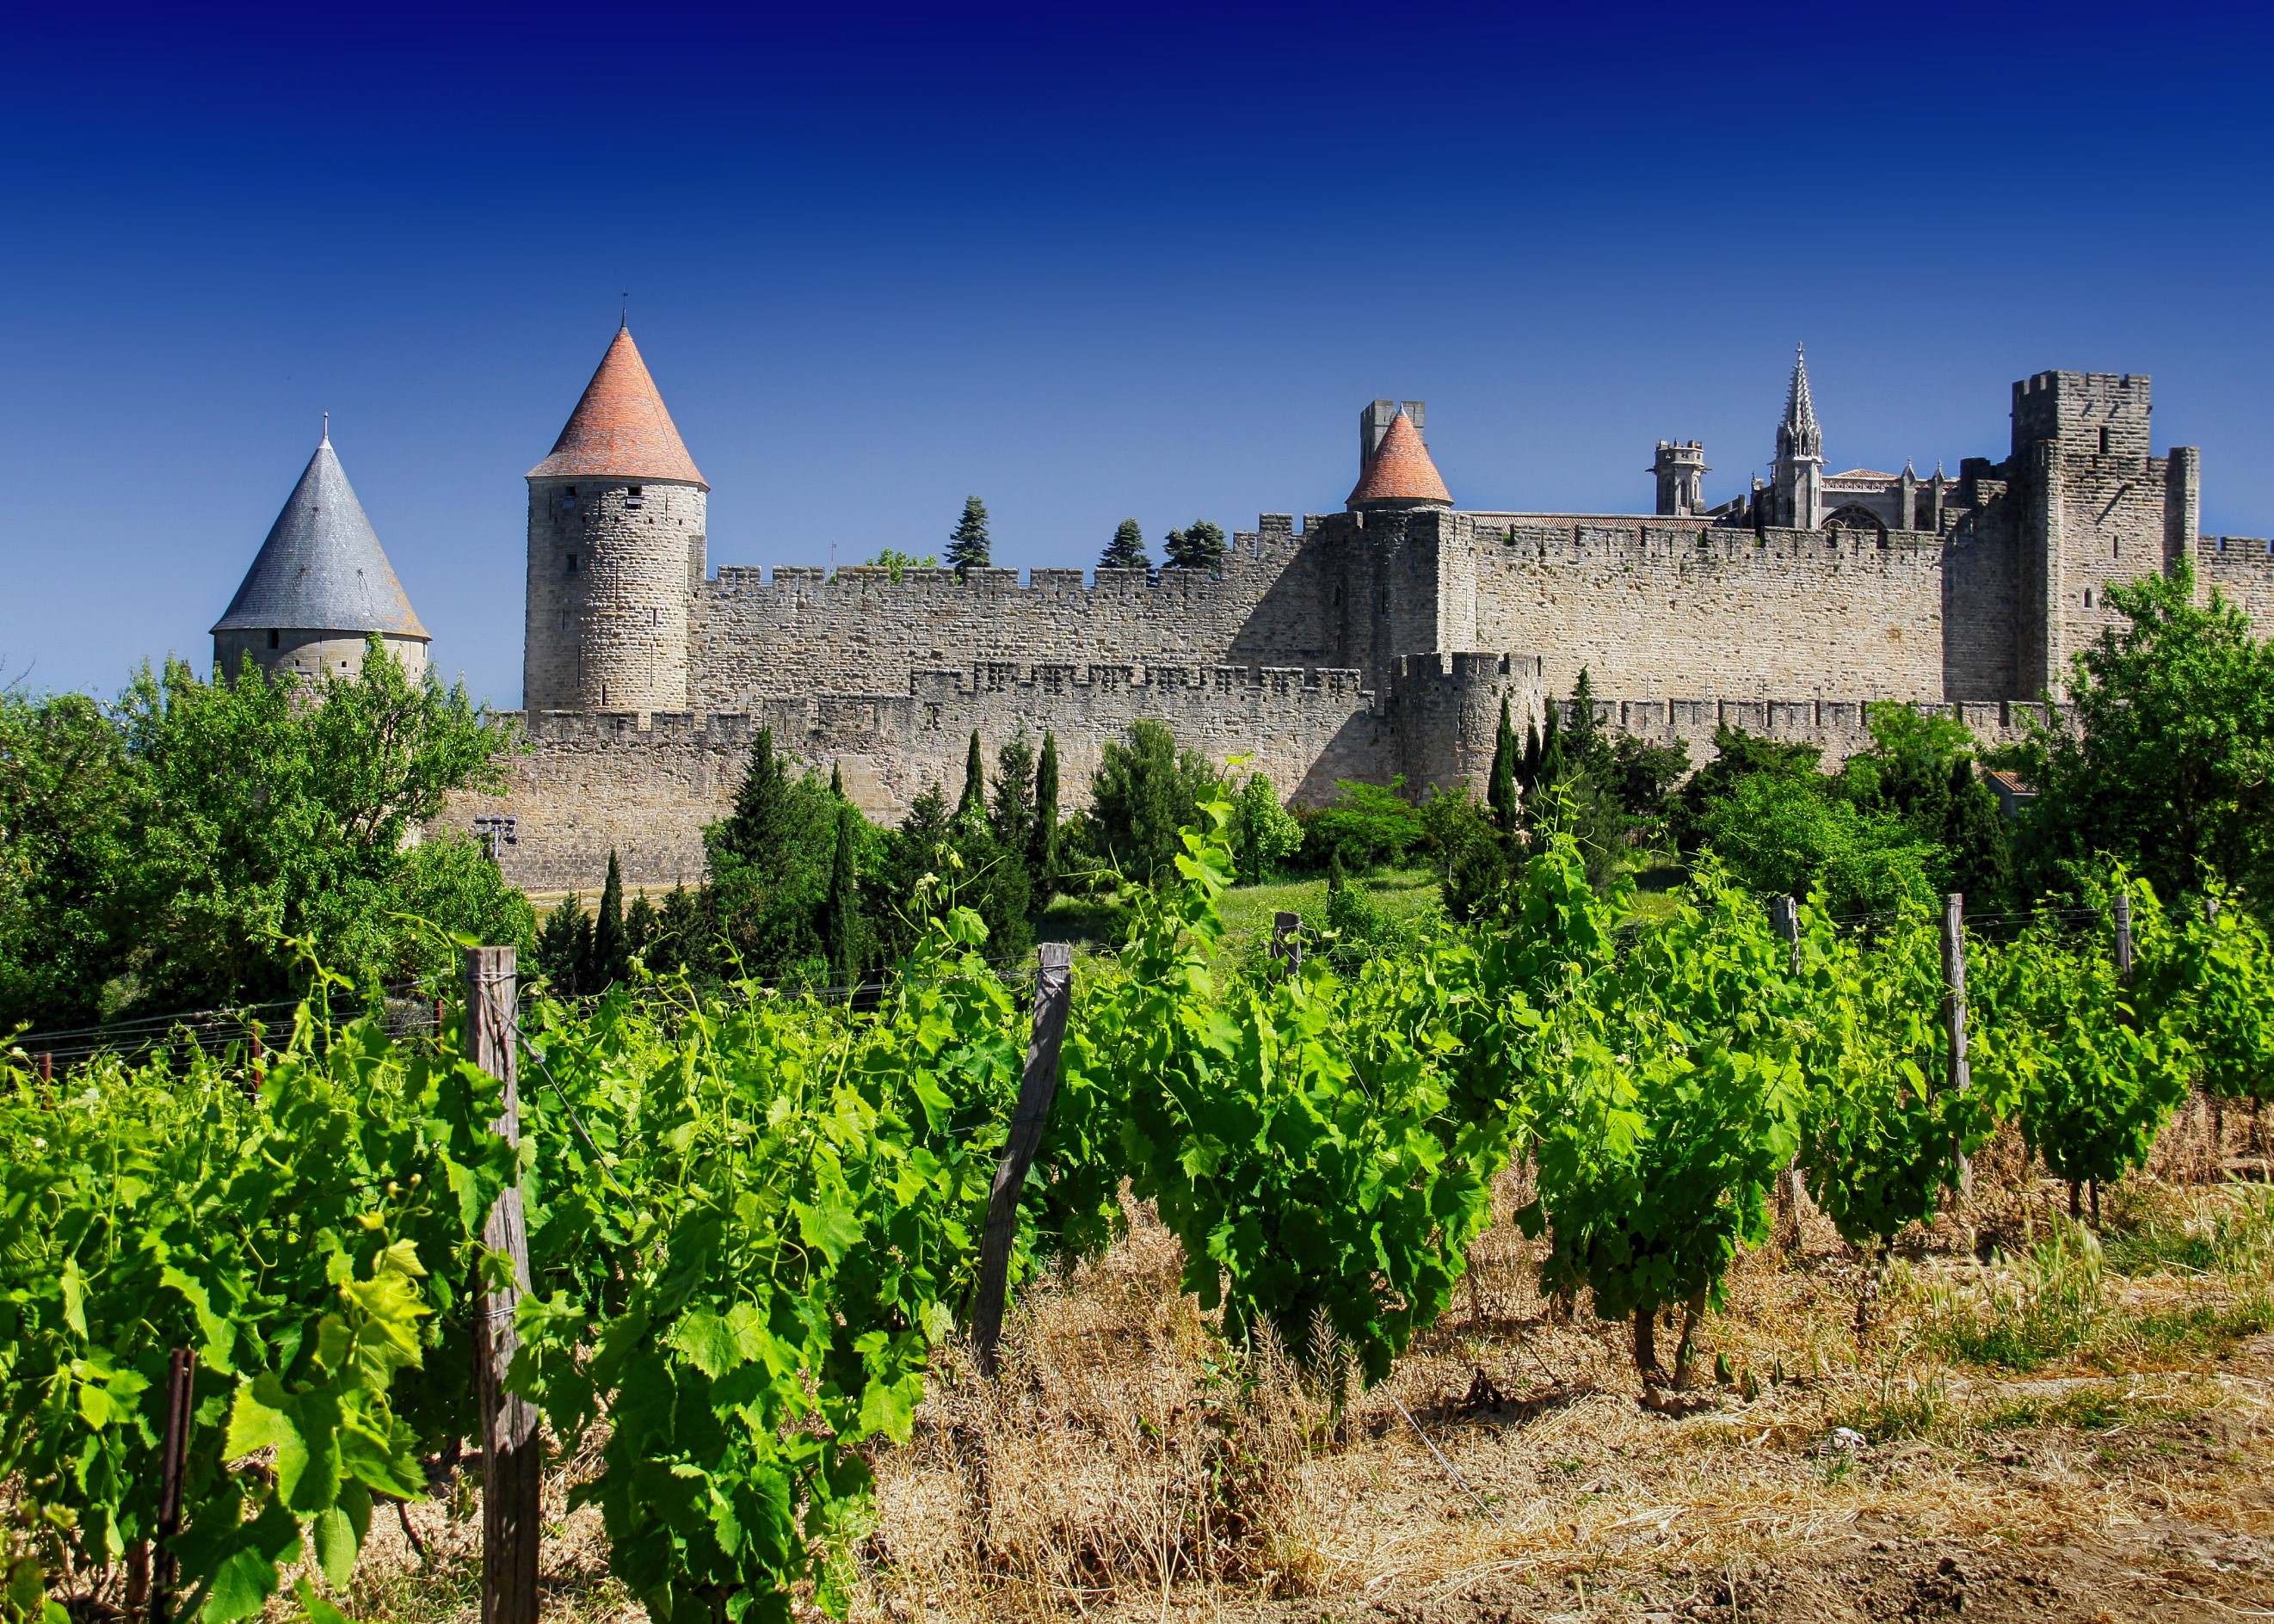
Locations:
column 1287, row 940
column 2123, row 911
column 47, row 1068
column 173, row 1461
column 1784, row 914
column 1953, row 1013
column 1053, row 998
column 512, row 1456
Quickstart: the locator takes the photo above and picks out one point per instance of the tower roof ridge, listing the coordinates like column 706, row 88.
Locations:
column 1400, row 469
column 322, row 568
column 621, row 428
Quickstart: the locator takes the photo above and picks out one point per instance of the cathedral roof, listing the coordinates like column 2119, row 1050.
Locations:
column 322, row 568
column 1400, row 469
column 621, row 429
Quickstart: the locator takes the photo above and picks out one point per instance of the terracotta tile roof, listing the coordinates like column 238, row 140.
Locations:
column 620, row 430
column 1400, row 469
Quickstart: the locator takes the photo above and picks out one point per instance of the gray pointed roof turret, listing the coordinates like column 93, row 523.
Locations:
column 323, row 568
column 1799, row 435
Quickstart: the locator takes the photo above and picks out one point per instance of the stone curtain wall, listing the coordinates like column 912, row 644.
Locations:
column 1672, row 606
column 805, row 631
column 596, row 780
column 2242, row 569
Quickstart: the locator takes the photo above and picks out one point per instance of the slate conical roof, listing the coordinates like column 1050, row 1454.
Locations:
column 1400, row 469
column 323, row 568
column 621, row 429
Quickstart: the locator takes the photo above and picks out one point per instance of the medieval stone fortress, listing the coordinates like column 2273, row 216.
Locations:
column 1374, row 641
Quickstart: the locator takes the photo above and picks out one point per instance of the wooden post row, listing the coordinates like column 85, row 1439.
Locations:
column 1037, row 1085
column 512, row 1456
column 1954, row 1013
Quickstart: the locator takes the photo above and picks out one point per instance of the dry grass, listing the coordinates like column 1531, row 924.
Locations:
column 1126, row 1461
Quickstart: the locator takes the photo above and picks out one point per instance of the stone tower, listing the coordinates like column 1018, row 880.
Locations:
column 1681, row 470
column 1796, row 477
column 2097, row 507
column 616, row 551
column 1394, row 470
column 319, row 587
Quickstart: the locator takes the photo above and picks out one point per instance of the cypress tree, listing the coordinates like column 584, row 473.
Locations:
column 1552, row 757
column 1127, row 549
column 837, row 780
column 610, row 957
column 1528, row 775
column 1012, row 812
column 968, row 547
column 1043, row 841
column 841, row 912
column 1500, row 794
column 756, row 830
column 1584, row 738
column 973, row 803
column 639, row 927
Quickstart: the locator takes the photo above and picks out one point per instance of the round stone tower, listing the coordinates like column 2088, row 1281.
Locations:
column 616, row 551
column 319, row 588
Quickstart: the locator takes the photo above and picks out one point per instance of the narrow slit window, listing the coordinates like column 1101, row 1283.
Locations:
column 2104, row 443
column 274, row 638
column 572, row 564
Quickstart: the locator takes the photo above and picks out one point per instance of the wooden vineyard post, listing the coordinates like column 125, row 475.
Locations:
column 1953, row 1014
column 2122, row 909
column 173, row 1462
column 1784, row 914
column 1053, row 998
column 2217, row 1170
column 512, row 1454
column 1287, row 940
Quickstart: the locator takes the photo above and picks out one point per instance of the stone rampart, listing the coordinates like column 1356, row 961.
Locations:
column 2242, row 569
column 1675, row 606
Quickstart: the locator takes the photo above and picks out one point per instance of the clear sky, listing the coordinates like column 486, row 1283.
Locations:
column 1087, row 262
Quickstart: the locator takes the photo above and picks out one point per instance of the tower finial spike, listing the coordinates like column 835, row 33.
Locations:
column 625, row 324
column 327, row 431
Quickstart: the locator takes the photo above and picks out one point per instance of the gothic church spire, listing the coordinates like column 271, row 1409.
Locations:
column 1799, row 434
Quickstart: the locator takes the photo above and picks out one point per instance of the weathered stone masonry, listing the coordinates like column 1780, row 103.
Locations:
column 1367, row 643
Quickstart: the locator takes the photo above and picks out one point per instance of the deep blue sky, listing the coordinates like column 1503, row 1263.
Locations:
column 1084, row 263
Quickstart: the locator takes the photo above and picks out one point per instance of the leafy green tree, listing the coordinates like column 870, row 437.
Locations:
column 1642, row 775
column 1501, row 795
column 974, row 801
column 968, row 547
column 1737, row 756
column 1469, row 849
column 935, row 862
column 611, row 960
column 1127, row 549
column 1795, row 837
column 67, row 833
column 1043, row 840
column 232, row 827
column 1366, row 825
column 1144, row 792
column 1261, row 830
column 2169, row 763
column 896, row 561
column 1528, row 774
column 1198, row 545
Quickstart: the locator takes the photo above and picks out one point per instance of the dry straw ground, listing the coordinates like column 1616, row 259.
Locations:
column 2074, row 1429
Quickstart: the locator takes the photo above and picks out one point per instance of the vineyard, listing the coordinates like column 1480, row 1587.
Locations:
column 719, row 1277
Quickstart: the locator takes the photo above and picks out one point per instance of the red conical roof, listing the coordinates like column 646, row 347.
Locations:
column 1400, row 469
column 620, row 430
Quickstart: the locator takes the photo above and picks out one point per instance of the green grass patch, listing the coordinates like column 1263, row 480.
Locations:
column 1405, row 894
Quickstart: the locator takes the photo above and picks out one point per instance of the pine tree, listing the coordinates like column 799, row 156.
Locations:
column 1197, row 546
column 967, row 547
column 1127, row 549
column 1499, row 793
column 557, row 950
column 610, row 960
column 841, row 913
column 974, row 803
column 1043, row 840
column 640, row 924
